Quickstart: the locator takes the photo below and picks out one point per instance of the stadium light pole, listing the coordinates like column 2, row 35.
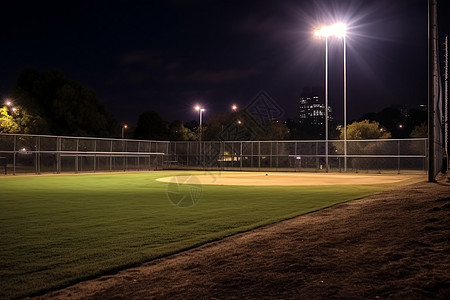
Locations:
column 325, row 31
column 340, row 30
column 337, row 30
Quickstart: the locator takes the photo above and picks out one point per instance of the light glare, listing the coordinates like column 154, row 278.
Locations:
column 337, row 30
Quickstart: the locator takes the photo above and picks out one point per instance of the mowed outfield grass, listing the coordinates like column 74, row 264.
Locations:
column 59, row 229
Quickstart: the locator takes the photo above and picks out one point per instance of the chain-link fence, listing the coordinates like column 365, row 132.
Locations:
column 399, row 155
column 21, row 153
column 56, row 154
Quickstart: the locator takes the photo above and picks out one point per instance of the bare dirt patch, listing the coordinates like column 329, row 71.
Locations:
column 395, row 244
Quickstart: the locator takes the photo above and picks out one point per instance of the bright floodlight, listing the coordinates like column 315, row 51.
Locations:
column 234, row 107
column 8, row 103
column 337, row 30
column 324, row 31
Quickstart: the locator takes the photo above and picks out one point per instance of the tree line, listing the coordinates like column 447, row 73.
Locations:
column 49, row 103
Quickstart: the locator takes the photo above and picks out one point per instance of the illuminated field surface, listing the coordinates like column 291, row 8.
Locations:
column 59, row 229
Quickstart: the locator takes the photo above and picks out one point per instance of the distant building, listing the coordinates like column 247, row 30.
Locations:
column 312, row 107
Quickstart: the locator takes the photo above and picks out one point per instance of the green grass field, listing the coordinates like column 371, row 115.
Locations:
column 59, row 229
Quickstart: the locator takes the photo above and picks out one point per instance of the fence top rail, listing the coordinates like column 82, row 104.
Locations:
column 80, row 137
column 255, row 141
column 307, row 141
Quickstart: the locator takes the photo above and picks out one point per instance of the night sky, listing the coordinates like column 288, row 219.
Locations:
column 167, row 56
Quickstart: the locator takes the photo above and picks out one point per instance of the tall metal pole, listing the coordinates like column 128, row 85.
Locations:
column 446, row 108
column 432, row 78
column 200, row 136
column 200, row 127
column 326, row 104
column 345, row 105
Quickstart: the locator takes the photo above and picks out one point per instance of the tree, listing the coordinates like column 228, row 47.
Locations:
column 365, row 130
column 275, row 130
column 420, row 131
column 7, row 122
column 64, row 106
column 151, row 126
column 19, row 121
column 177, row 132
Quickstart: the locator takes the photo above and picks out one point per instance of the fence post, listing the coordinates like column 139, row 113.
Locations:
column 95, row 156
column 38, row 154
column 110, row 157
column 398, row 156
column 259, row 156
column 58, row 155
column 241, row 156
column 76, row 157
column 14, row 155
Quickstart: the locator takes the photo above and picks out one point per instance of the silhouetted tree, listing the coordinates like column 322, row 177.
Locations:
column 275, row 130
column 420, row 131
column 65, row 106
column 151, row 126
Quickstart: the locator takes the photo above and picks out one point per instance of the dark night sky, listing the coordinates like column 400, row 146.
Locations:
column 167, row 56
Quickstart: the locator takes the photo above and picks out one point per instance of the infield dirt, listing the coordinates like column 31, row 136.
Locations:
column 287, row 179
column 395, row 244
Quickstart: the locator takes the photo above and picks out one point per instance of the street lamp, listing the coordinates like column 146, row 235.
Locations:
column 124, row 126
column 234, row 107
column 200, row 112
column 9, row 104
column 337, row 30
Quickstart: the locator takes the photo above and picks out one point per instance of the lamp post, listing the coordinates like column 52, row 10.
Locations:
column 337, row 30
column 124, row 126
column 325, row 31
column 200, row 112
column 345, row 103
column 340, row 30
